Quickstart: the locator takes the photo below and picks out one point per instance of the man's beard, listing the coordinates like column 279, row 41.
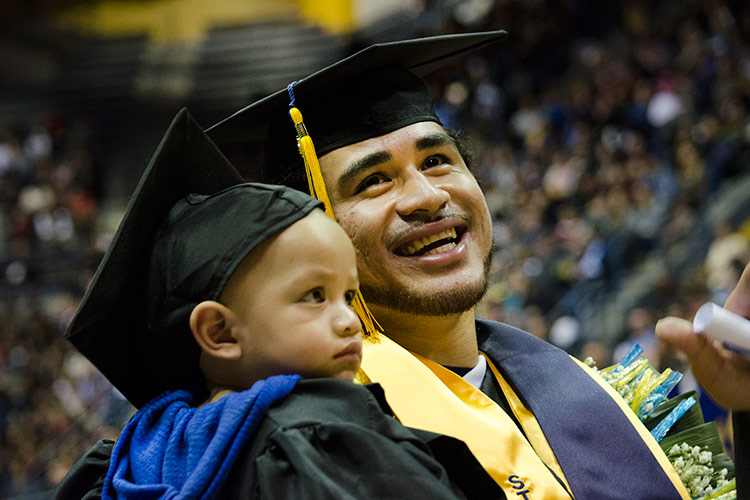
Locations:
column 454, row 301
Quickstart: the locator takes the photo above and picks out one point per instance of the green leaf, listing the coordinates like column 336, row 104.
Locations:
column 705, row 436
column 723, row 461
column 692, row 418
column 728, row 489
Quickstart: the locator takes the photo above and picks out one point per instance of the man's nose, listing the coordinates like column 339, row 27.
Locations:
column 419, row 195
column 346, row 322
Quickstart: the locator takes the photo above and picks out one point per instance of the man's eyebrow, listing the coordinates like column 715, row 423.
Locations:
column 374, row 159
column 434, row 140
column 364, row 163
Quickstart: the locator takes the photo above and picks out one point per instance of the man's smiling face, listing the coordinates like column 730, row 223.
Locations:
column 417, row 217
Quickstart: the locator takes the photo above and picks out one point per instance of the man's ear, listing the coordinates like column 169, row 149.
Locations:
column 214, row 327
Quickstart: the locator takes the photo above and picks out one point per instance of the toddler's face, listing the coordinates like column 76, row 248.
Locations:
column 294, row 302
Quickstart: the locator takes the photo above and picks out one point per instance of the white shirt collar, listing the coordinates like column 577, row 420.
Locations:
column 476, row 374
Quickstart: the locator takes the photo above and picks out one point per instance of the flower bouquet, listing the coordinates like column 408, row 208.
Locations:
column 693, row 447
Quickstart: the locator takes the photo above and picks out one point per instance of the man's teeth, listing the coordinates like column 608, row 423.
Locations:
column 417, row 245
column 441, row 248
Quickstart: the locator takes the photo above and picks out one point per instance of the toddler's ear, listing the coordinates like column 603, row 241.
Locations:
column 214, row 327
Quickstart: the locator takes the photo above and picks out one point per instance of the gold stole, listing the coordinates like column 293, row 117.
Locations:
column 427, row 396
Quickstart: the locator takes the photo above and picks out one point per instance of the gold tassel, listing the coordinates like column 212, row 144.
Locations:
column 318, row 190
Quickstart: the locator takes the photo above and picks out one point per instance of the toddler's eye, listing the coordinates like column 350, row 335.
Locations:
column 349, row 296
column 315, row 296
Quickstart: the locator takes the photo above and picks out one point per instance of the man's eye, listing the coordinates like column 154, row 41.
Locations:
column 435, row 161
column 372, row 180
column 314, row 296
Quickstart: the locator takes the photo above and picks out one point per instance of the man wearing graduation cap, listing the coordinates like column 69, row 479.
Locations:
column 539, row 422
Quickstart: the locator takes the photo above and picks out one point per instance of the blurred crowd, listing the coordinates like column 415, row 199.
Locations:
column 602, row 134
column 53, row 403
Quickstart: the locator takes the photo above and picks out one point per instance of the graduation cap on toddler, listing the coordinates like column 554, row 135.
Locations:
column 189, row 224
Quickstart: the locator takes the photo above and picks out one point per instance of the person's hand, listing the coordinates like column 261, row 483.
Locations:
column 724, row 374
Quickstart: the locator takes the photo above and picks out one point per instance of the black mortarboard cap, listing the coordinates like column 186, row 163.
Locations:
column 189, row 223
column 371, row 93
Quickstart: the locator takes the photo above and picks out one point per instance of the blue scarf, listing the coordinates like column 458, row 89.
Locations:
column 172, row 450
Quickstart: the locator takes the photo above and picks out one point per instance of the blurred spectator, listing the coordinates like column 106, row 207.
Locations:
column 725, row 259
column 640, row 330
column 598, row 351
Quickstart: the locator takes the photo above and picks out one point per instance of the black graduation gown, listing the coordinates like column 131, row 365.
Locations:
column 329, row 439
